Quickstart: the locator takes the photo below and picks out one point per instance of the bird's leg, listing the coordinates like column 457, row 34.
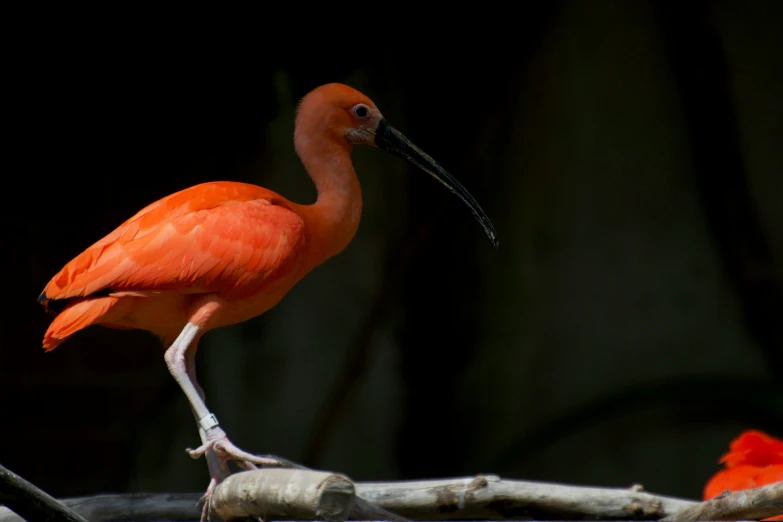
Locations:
column 218, row 470
column 214, row 438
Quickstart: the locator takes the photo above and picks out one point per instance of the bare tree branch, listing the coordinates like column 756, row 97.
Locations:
column 362, row 509
column 490, row 497
column 30, row 502
column 139, row 507
column 307, row 495
column 275, row 493
column 480, row 497
column 748, row 504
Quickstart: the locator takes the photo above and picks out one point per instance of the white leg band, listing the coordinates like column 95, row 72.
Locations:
column 208, row 422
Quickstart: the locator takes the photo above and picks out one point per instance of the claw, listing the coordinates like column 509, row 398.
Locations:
column 205, row 499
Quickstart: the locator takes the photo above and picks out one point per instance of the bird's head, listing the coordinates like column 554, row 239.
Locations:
column 349, row 118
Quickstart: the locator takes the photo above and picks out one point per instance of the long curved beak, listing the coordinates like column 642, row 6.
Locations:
column 391, row 140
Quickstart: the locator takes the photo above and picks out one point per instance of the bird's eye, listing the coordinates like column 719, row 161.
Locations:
column 361, row 111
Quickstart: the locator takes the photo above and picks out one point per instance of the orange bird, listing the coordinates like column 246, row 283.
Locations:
column 223, row 252
column 754, row 459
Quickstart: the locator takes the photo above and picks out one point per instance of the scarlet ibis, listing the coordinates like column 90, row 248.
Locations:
column 220, row 253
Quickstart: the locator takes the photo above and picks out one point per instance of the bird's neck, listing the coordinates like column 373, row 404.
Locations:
column 333, row 219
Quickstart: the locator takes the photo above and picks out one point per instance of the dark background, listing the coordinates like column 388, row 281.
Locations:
column 629, row 326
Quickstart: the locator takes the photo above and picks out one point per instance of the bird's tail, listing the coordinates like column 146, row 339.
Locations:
column 81, row 312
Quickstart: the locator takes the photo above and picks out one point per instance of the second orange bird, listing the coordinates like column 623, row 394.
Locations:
column 220, row 253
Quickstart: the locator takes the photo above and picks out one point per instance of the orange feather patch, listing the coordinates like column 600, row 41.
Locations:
column 224, row 238
column 754, row 459
column 245, row 241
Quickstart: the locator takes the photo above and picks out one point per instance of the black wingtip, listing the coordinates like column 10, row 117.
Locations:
column 42, row 298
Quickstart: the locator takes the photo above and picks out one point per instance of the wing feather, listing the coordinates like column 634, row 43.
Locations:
column 223, row 237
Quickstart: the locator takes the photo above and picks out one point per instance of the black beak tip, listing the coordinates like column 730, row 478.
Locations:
column 492, row 235
column 386, row 138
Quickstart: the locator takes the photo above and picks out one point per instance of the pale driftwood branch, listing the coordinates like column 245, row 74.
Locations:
column 289, row 493
column 748, row 504
column 486, row 497
column 489, row 497
column 268, row 493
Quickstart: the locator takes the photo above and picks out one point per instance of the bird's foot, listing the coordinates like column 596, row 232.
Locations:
column 225, row 450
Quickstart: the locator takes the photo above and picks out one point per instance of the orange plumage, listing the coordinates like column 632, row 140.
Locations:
column 232, row 239
column 754, row 459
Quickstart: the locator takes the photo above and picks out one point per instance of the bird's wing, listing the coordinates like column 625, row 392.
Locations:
column 225, row 237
